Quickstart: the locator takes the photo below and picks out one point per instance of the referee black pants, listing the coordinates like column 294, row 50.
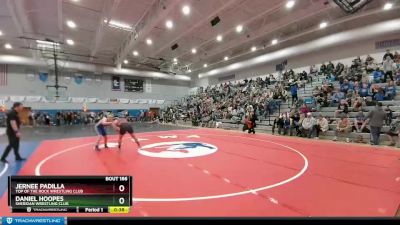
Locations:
column 13, row 143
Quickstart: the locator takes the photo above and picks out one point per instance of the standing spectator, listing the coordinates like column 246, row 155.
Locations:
column 343, row 127
column 388, row 69
column 375, row 119
column 293, row 91
column 322, row 125
column 388, row 54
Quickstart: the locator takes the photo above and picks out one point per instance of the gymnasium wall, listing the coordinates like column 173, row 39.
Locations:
column 343, row 53
column 20, row 85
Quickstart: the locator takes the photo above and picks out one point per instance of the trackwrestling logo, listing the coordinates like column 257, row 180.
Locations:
column 178, row 149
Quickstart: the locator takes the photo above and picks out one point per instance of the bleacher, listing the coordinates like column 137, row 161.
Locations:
column 265, row 125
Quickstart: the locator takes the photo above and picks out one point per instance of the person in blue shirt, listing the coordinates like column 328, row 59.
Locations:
column 346, row 86
column 377, row 75
column 293, row 91
column 379, row 96
column 337, row 97
column 364, row 90
column 390, row 91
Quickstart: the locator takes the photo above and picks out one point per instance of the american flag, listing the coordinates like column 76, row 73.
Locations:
column 3, row 75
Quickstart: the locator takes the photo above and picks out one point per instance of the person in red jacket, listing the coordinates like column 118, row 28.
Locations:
column 249, row 124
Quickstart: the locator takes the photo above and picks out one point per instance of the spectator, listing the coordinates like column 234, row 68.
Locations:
column 357, row 105
column 396, row 57
column 295, row 124
column 343, row 127
column 390, row 91
column 375, row 119
column 364, row 91
column 394, row 131
column 388, row 68
column 293, row 91
column 322, row 126
column 379, row 95
column 389, row 115
column 377, row 75
column 342, row 110
column 304, row 109
column 388, row 54
column 358, row 123
column 307, row 126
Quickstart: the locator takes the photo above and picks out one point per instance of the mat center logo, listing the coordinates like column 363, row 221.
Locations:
column 178, row 149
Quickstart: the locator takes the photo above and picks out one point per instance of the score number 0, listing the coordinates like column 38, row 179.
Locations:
column 121, row 200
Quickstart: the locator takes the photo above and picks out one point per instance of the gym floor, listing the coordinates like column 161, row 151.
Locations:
column 208, row 172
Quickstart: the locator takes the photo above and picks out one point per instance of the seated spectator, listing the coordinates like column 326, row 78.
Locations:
column 364, row 90
column 343, row 127
column 369, row 60
column 390, row 91
column 304, row 109
column 337, row 97
column 295, row 124
column 346, row 86
column 322, row 125
column 358, row 123
column 357, row 105
column 322, row 69
column 339, row 69
column 379, row 95
column 377, row 76
column 396, row 57
column 389, row 115
column 342, row 110
column 307, row 126
column 394, row 131
column 330, row 67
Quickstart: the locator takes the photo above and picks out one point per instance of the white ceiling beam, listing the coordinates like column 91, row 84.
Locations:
column 21, row 21
column 108, row 10
column 358, row 34
column 158, row 12
column 206, row 19
column 60, row 19
column 270, row 28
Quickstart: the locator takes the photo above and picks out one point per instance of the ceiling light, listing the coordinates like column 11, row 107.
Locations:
column 219, row 38
column 169, row 24
column 239, row 28
column 105, row 20
column 186, row 10
column 274, row 42
column 71, row 24
column 194, row 51
column 205, row 65
column 226, row 58
column 135, row 53
column 8, row 46
column 1, row 33
column 175, row 63
column 290, row 4
column 70, row 41
column 175, row 60
column 189, row 71
column 253, row 49
column 388, row 6
column 126, row 61
column 323, row 25
column 120, row 25
column 149, row 41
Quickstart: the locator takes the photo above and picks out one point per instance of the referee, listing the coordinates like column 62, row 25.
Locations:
column 13, row 133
